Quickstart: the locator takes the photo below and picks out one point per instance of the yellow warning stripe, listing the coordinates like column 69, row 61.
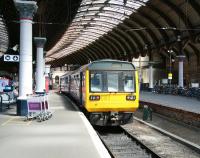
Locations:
column 7, row 121
column 16, row 122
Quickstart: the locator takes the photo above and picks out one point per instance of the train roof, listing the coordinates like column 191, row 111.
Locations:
column 105, row 64
column 109, row 64
column 66, row 74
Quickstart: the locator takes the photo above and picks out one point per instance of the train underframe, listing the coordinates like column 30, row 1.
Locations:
column 110, row 118
column 104, row 118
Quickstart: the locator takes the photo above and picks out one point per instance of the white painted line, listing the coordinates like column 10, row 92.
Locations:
column 95, row 138
column 179, row 139
column 57, row 108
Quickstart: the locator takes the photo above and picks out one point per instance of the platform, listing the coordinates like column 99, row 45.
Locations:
column 178, row 102
column 66, row 134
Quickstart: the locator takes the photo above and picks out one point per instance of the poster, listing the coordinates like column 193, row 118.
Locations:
column 3, row 83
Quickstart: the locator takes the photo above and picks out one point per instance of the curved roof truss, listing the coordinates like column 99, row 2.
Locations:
column 93, row 20
column 4, row 40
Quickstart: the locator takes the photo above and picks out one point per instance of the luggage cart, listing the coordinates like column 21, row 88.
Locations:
column 34, row 106
column 45, row 113
column 38, row 108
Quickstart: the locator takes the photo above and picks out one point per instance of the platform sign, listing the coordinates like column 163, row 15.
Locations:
column 170, row 76
column 11, row 58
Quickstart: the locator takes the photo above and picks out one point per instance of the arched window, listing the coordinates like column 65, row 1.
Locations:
column 57, row 79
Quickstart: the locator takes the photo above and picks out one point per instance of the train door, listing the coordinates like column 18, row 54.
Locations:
column 80, row 88
column 83, row 88
column 69, row 83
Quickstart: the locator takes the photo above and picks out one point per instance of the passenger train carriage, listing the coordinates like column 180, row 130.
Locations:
column 106, row 89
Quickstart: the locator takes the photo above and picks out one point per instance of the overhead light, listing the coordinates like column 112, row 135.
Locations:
column 15, row 48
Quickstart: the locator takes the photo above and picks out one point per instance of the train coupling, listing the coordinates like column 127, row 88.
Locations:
column 114, row 116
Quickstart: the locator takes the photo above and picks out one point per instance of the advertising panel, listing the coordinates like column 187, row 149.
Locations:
column 3, row 83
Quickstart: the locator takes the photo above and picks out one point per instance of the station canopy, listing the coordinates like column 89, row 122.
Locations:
column 93, row 20
column 79, row 31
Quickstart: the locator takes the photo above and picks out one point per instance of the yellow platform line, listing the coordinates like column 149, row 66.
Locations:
column 3, row 124
column 29, row 122
column 16, row 122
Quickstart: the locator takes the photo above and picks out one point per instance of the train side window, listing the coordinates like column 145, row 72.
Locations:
column 66, row 80
column 76, row 80
column 83, row 80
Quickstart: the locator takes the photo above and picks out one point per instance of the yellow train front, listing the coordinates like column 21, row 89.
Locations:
column 107, row 90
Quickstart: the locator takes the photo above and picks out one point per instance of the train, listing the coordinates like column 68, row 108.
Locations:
column 107, row 90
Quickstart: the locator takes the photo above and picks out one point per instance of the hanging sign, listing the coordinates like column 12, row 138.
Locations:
column 11, row 58
column 170, row 76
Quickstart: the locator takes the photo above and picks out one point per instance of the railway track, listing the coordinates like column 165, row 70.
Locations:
column 121, row 144
column 142, row 140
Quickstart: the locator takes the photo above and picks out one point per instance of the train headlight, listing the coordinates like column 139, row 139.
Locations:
column 94, row 97
column 130, row 97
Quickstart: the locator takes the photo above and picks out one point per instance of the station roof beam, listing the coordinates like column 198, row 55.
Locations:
column 97, row 14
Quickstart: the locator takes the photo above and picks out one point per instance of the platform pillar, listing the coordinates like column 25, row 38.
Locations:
column 150, row 76
column 47, row 77
column 180, row 71
column 26, row 10
column 40, row 41
column 44, row 76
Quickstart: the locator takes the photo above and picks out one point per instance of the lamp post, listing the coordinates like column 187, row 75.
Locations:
column 170, row 67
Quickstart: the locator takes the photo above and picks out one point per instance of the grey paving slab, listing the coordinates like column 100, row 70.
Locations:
column 65, row 135
column 178, row 102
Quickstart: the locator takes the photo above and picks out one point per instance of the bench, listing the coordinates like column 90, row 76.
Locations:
column 7, row 99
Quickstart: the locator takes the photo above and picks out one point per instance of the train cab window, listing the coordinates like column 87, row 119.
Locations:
column 96, row 83
column 128, row 82
column 113, row 82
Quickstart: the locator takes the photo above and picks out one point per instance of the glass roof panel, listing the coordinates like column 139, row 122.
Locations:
column 100, row 23
column 106, row 29
column 113, row 15
column 89, row 31
column 109, row 20
column 94, row 19
column 94, row 8
column 91, row 37
column 4, row 41
column 122, row 11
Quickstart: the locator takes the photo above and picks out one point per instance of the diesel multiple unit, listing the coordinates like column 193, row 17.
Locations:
column 107, row 90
